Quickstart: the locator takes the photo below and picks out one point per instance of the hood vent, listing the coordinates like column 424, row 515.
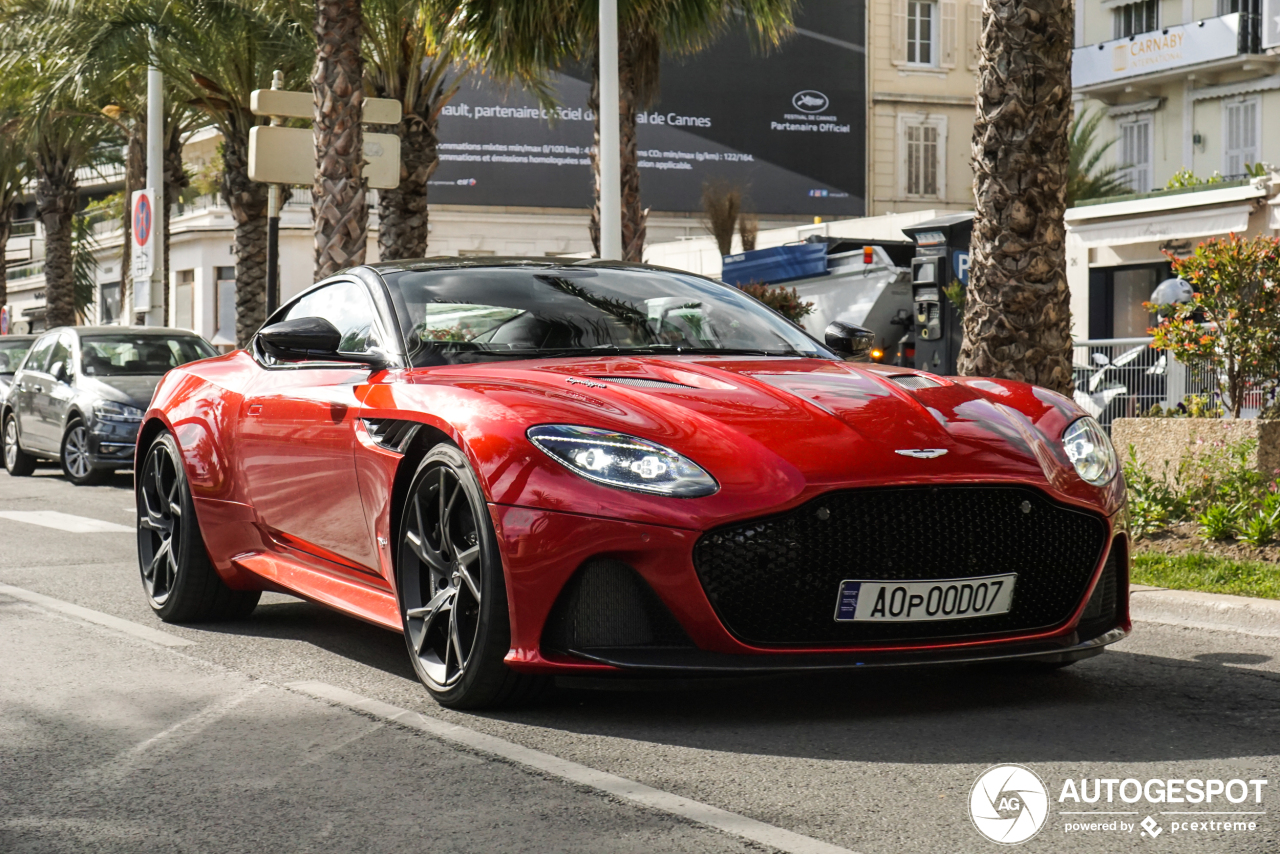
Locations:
column 642, row 382
column 914, row 382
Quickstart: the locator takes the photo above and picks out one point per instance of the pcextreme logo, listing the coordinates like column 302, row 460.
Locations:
column 1008, row 804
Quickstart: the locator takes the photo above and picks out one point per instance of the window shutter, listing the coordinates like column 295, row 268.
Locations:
column 898, row 32
column 947, row 36
column 973, row 36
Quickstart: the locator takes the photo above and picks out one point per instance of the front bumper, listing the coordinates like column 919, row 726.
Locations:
column 112, row 443
column 543, row 550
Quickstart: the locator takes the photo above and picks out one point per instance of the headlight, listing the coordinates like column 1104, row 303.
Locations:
column 109, row 410
column 616, row 459
column 1090, row 451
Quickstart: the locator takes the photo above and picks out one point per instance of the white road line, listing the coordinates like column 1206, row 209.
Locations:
column 89, row 615
column 610, row 784
column 66, row 522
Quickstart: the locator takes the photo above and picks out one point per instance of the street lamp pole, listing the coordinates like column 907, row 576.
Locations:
column 155, row 180
column 609, row 155
column 273, row 223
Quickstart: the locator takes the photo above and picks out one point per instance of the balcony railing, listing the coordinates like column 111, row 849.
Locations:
column 13, row 274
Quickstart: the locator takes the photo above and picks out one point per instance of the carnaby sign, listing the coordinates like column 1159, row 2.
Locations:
column 1151, row 53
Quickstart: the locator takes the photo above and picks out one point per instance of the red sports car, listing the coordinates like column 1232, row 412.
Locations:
column 534, row 468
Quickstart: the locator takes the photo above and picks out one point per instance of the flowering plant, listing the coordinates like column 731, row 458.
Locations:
column 1232, row 322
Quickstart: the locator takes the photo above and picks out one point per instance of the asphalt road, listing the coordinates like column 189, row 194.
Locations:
column 110, row 742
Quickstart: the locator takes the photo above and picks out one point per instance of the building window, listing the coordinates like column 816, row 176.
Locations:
column 224, row 305
column 1134, row 18
column 1135, row 154
column 922, row 26
column 922, row 141
column 184, row 300
column 109, row 304
column 1240, row 132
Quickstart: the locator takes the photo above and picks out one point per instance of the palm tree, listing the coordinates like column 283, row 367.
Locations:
column 408, row 56
column 522, row 35
column 1083, row 182
column 1017, row 319
column 13, row 174
column 339, row 213
column 215, row 53
column 61, row 129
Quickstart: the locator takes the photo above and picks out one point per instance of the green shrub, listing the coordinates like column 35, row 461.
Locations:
column 1258, row 530
column 1220, row 522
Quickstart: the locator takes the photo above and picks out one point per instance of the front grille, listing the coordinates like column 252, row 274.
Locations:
column 775, row 580
column 1100, row 613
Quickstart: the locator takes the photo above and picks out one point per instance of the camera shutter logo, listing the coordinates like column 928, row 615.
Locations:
column 1008, row 804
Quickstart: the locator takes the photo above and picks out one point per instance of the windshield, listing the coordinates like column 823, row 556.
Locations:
column 11, row 353
column 139, row 355
column 481, row 314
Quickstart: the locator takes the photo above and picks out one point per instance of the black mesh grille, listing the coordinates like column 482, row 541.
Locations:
column 1101, row 612
column 608, row 604
column 775, row 580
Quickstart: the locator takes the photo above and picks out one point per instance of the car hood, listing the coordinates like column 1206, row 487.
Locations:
column 776, row 428
column 131, row 390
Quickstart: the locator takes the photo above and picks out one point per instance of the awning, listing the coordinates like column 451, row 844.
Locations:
column 1178, row 226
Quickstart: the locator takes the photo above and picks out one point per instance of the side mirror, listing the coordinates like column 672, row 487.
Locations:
column 60, row 373
column 309, row 338
column 852, row 342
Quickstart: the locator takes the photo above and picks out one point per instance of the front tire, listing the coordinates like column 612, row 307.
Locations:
column 180, row 581
column 17, row 462
column 76, row 464
column 453, row 598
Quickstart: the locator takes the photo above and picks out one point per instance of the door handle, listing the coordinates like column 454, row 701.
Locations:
column 255, row 409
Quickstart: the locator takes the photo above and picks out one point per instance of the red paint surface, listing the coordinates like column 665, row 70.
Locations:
column 292, row 493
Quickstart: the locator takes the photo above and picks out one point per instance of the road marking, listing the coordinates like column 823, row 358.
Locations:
column 89, row 615
column 65, row 522
column 610, row 784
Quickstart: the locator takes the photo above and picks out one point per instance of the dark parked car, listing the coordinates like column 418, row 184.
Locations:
column 12, row 349
column 80, row 394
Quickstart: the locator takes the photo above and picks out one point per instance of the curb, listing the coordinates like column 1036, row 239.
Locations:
column 1215, row 611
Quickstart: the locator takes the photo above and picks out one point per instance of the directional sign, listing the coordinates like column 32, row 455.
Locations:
column 144, row 247
column 279, row 155
column 301, row 105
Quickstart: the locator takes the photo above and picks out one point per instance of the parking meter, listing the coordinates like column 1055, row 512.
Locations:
column 942, row 258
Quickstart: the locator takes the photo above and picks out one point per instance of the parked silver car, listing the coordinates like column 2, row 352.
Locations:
column 79, row 396
column 12, row 350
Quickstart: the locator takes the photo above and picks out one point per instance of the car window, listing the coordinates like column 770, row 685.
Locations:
column 139, row 355
column 61, row 353
column 11, row 353
column 347, row 306
column 38, row 358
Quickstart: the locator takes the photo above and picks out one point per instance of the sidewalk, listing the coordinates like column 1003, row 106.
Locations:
column 1214, row 611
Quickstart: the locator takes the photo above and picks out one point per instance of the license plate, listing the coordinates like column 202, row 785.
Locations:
column 924, row 601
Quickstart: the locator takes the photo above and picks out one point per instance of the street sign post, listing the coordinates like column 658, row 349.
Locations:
column 144, row 244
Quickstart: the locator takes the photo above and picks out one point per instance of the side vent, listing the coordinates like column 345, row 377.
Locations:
column 914, row 382
column 1101, row 612
column 391, row 434
column 607, row 604
column 642, row 382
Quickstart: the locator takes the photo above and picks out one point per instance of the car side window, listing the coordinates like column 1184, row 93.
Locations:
column 61, row 354
column 38, row 358
column 347, row 306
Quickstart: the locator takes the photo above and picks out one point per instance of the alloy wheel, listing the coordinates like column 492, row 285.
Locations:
column 10, row 443
column 441, row 566
column 159, row 522
column 75, row 452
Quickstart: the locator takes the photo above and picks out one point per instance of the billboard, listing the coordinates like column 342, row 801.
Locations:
column 787, row 127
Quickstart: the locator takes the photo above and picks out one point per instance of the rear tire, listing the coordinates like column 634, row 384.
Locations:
column 180, row 581
column 17, row 462
column 453, row 598
column 76, row 464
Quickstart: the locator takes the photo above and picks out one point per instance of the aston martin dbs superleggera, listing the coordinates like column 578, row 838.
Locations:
column 534, row 468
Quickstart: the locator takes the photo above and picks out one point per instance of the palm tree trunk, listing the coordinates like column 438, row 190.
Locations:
column 6, row 228
column 634, row 216
column 56, row 206
column 1017, row 322
column 402, row 212
column 248, row 202
column 338, row 208
column 135, row 176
